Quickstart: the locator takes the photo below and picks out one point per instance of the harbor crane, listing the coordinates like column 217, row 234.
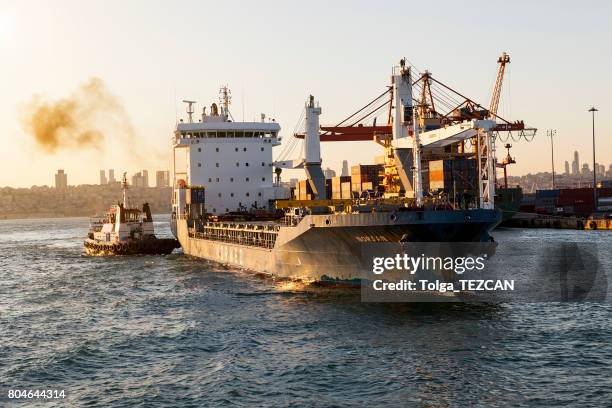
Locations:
column 418, row 125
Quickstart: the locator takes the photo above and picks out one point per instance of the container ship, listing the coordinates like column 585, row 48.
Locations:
column 434, row 183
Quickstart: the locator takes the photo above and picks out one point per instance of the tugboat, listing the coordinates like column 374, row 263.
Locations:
column 126, row 231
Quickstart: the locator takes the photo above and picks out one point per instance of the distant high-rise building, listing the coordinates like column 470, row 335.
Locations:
column 585, row 169
column 566, row 167
column 576, row 164
column 111, row 176
column 61, row 180
column 329, row 173
column 137, row 180
column 145, row 178
column 345, row 169
column 601, row 170
column 103, row 180
column 162, row 178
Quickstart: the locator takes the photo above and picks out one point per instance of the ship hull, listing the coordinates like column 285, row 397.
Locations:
column 329, row 248
column 158, row 246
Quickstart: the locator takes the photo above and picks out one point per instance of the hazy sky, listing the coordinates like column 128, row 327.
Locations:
column 153, row 54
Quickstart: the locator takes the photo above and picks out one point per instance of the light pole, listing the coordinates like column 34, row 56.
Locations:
column 593, row 110
column 551, row 133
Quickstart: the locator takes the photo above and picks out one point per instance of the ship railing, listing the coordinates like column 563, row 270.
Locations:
column 261, row 239
column 260, row 235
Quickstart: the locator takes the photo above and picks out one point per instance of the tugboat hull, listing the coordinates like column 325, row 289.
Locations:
column 157, row 246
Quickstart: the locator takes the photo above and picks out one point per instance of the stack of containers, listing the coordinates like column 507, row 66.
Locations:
column 577, row 201
column 366, row 176
column 303, row 191
column 447, row 175
column 546, row 201
column 336, row 187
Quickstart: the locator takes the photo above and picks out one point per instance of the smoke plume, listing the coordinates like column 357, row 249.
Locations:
column 78, row 121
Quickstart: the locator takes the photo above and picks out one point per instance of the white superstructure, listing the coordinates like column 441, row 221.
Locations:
column 231, row 160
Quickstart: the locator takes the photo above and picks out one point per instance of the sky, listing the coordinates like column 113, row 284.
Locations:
column 150, row 55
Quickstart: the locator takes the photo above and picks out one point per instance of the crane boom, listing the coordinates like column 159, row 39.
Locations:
column 502, row 61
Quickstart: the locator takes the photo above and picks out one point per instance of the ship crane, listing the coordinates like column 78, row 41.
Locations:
column 441, row 117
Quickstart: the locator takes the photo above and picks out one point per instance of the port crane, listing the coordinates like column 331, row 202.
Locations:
column 441, row 122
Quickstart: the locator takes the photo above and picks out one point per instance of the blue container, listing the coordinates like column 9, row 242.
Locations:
column 547, row 193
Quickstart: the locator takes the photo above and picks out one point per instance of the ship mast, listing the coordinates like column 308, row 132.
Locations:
column 124, row 185
column 225, row 98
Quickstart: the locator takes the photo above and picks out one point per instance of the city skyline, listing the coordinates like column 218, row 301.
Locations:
column 104, row 44
column 139, row 179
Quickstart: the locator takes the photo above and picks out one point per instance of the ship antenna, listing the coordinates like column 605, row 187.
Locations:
column 124, row 184
column 189, row 109
column 225, row 99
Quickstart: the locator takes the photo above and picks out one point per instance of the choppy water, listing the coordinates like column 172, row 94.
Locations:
column 171, row 331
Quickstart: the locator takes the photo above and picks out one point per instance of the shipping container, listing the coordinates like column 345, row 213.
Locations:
column 547, row 193
column 304, row 190
column 346, row 190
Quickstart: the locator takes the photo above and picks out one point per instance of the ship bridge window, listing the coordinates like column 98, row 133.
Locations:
column 238, row 134
column 230, row 134
column 221, row 134
column 248, row 134
column 211, row 134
